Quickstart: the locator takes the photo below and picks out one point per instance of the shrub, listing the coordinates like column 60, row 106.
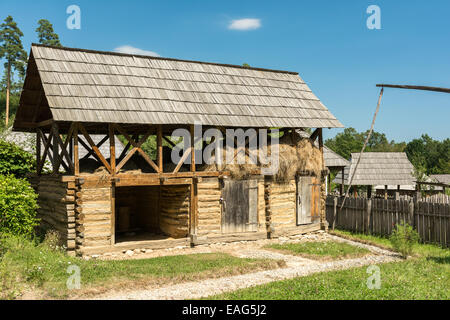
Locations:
column 18, row 204
column 14, row 160
column 403, row 239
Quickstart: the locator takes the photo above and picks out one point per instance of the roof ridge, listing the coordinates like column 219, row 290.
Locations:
column 162, row 58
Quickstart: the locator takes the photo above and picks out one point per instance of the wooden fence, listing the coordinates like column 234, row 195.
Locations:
column 379, row 216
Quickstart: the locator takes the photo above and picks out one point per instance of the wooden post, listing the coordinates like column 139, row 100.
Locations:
column 193, row 194
column 76, row 162
column 113, row 211
column 328, row 183
column 385, row 192
column 369, row 213
column 335, row 202
column 38, row 149
column 55, row 150
column 192, row 149
column 112, row 149
column 397, row 193
column 411, row 211
column 341, row 189
column 160, row 149
column 369, row 192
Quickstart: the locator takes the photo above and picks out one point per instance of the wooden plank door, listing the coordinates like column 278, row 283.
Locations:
column 304, row 193
column 239, row 206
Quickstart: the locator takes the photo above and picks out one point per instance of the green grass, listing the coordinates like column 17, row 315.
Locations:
column 321, row 250
column 24, row 264
column 419, row 249
column 426, row 276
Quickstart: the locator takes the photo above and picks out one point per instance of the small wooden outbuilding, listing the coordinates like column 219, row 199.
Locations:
column 130, row 200
column 380, row 168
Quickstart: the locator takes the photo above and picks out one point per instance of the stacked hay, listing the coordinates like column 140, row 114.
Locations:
column 296, row 155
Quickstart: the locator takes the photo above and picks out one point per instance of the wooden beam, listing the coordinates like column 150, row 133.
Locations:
column 44, row 141
column 99, row 144
column 137, row 147
column 426, row 88
column 64, row 149
column 314, row 135
column 25, row 124
column 124, row 152
column 125, row 159
column 183, row 158
column 169, row 141
column 46, row 148
column 94, row 147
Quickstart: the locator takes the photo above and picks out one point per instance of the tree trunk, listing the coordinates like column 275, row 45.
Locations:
column 8, row 81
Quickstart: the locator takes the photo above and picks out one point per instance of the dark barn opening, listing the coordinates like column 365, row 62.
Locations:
column 151, row 213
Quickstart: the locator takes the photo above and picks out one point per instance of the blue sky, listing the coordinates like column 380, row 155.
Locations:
column 327, row 42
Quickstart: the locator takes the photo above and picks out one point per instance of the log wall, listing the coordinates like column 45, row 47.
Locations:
column 57, row 202
column 94, row 225
column 209, row 207
column 174, row 217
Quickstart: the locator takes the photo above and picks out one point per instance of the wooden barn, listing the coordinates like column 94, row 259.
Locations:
column 128, row 199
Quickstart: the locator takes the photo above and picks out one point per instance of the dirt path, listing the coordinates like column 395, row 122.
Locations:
column 295, row 267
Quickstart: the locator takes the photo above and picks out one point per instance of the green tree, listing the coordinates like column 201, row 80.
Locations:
column 46, row 34
column 11, row 49
column 428, row 155
column 351, row 141
column 346, row 142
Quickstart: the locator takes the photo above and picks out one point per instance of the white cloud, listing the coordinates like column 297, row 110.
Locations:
column 245, row 24
column 133, row 50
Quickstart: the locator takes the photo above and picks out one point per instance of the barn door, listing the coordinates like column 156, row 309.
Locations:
column 239, row 206
column 308, row 197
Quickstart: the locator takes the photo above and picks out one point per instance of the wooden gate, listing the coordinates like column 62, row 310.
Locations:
column 308, row 199
column 240, row 206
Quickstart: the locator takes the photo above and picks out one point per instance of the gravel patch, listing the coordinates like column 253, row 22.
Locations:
column 295, row 267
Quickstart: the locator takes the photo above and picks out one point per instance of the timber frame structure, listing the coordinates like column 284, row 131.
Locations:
column 60, row 108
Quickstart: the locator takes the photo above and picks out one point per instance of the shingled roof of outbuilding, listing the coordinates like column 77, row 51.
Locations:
column 441, row 178
column 107, row 87
column 379, row 168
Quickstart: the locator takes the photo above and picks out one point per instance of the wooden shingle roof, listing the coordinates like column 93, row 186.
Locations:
column 379, row 168
column 441, row 178
column 107, row 87
column 332, row 159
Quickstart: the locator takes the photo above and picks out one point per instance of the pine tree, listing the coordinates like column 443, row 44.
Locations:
column 46, row 34
column 11, row 49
